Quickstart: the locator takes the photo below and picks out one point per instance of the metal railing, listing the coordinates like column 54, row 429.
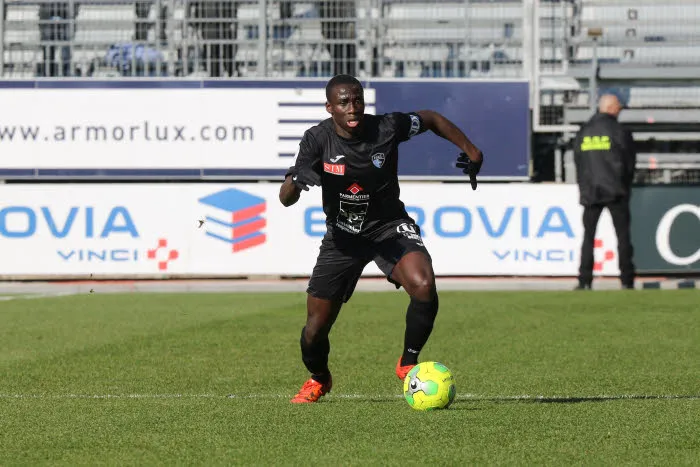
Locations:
column 265, row 38
column 645, row 51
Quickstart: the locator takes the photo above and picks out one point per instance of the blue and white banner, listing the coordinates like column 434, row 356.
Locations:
column 198, row 229
column 244, row 129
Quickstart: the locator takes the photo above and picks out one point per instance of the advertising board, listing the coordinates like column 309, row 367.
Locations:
column 237, row 129
column 203, row 229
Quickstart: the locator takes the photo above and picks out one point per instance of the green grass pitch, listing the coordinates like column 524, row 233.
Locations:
column 543, row 378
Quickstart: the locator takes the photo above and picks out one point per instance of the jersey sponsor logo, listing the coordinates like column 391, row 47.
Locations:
column 335, row 169
column 415, row 126
column 354, row 188
column 595, row 143
column 351, row 216
column 337, row 158
column 378, row 159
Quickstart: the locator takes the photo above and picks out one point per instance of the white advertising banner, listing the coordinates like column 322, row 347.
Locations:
column 201, row 229
column 111, row 128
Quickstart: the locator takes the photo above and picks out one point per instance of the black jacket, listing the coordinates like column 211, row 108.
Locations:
column 605, row 158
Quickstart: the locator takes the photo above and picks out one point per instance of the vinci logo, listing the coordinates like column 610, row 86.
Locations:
column 234, row 217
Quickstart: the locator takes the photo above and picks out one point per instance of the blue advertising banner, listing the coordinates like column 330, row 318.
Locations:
column 494, row 115
column 151, row 129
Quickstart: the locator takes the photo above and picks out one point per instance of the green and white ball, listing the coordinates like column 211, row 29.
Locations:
column 429, row 386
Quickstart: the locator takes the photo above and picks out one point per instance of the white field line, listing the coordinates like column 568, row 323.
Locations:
column 464, row 397
column 37, row 295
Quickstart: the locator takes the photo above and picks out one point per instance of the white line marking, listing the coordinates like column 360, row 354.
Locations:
column 32, row 296
column 464, row 397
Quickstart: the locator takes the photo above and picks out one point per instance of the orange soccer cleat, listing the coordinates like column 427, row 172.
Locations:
column 402, row 371
column 312, row 391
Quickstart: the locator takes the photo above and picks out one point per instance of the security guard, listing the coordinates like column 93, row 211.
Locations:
column 605, row 159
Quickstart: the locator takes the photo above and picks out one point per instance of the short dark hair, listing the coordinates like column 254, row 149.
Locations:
column 340, row 79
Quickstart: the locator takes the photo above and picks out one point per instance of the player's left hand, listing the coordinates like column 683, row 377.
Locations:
column 469, row 167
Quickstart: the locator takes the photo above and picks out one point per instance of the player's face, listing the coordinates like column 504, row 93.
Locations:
column 347, row 107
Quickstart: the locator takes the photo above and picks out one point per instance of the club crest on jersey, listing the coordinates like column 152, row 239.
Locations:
column 378, row 159
column 335, row 169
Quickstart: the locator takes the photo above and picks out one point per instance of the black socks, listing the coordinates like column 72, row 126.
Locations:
column 420, row 317
column 315, row 357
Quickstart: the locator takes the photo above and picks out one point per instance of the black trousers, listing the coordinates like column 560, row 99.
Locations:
column 620, row 213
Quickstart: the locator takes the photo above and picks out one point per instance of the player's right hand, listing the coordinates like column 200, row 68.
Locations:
column 305, row 177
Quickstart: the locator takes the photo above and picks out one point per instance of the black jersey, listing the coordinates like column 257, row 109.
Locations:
column 359, row 177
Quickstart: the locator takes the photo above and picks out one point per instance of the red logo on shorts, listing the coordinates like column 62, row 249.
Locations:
column 335, row 169
column 354, row 188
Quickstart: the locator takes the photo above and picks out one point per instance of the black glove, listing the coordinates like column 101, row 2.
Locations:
column 304, row 177
column 469, row 167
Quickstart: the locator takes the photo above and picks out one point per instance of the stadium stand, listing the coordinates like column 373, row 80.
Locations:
column 648, row 54
column 393, row 38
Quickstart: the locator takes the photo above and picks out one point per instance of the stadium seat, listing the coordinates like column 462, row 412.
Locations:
column 446, row 10
column 25, row 35
column 417, row 52
column 584, row 53
column 17, row 12
column 664, row 97
column 22, row 55
column 96, row 35
column 643, row 33
column 107, row 12
column 452, row 21
column 20, row 73
column 666, row 14
column 451, row 40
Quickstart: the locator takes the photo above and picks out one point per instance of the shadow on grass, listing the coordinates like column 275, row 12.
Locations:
column 576, row 400
column 461, row 403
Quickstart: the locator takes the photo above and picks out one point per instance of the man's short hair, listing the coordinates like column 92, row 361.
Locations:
column 338, row 80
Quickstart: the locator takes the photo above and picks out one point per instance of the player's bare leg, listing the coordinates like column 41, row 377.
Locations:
column 415, row 274
column 315, row 347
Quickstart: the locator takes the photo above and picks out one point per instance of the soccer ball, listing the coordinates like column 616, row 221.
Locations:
column 429, row 386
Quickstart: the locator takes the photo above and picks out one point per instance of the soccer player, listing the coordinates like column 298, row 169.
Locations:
column 353, row 156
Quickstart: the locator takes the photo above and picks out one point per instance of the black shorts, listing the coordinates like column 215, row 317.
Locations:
column 343, row 257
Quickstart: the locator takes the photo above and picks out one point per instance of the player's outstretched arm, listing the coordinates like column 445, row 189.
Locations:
column 289, row 192
column 444, row 128
column 471, row 158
